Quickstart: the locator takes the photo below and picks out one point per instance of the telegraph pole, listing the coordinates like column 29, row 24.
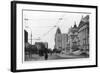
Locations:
column 31, row 37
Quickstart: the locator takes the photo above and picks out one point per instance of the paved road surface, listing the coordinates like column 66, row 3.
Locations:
column 53, row 57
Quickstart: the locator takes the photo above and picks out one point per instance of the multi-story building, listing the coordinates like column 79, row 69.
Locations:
column 61, row 40
column 83, row 33
column 41, row 45
column 64, row 41
column 73, row 38
column 26, row 44
column 58, row 39
column 25, row 36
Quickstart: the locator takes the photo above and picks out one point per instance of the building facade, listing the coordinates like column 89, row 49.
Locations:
column 25, row 36
column 61, row 40
column 73, row 38
column 83, row 33
column 58, row 39
column 41, row 45
column 26, row 44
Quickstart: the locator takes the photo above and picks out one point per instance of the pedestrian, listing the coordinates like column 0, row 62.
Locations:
column 46, row 56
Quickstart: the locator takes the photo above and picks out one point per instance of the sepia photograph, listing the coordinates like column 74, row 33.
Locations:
column 53, row 35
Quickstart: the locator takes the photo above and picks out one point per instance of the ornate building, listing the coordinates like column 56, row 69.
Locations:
column 83, row 33
column 73, row 38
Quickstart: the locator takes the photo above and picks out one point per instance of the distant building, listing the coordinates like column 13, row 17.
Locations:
column 41, row 45
column 38, row 45
column 58, row 39
column 25, row 36
column 45, row 44
column 83, row 33
column 26, row 39
column 61, row 40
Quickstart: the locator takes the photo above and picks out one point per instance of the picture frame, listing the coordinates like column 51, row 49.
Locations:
column 22, row 11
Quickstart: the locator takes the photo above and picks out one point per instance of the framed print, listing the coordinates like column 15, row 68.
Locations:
column 47, row 36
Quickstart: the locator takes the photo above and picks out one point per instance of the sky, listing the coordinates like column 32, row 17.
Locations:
column 43, row 25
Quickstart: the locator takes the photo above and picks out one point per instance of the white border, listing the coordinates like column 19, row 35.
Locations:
column 53, row 63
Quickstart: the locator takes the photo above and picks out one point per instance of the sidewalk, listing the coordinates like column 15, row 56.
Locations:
column 70, row 56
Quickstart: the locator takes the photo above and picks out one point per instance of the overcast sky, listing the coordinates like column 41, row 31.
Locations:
column 42, row 24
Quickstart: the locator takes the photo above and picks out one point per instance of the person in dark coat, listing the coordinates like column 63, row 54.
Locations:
column 44, row 51
column 46, row 54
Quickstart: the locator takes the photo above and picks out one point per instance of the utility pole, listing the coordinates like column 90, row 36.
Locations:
column 31, row 37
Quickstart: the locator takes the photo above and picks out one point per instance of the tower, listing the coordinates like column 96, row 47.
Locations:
column 58, row 39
